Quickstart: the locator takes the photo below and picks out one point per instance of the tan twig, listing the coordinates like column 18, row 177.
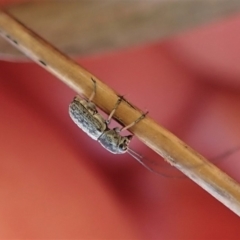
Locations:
column 176, row 152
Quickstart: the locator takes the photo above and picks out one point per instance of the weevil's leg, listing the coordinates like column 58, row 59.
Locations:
column 135, row 122
column 114, row 109
column 94, row 90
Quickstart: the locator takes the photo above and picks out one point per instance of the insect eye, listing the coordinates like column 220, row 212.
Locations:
column 123, row 146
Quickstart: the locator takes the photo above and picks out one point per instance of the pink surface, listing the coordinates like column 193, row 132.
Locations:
column 58, row 183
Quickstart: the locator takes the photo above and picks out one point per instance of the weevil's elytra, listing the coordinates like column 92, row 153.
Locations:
column 84, row 113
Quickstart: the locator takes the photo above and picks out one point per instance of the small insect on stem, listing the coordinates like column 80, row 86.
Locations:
column 84, row 113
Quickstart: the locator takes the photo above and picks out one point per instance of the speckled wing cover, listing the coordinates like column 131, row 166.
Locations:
column 89, row 123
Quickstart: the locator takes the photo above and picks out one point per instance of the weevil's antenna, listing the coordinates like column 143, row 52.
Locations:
column 138, row 157
column 155, row 167
column 225, row 155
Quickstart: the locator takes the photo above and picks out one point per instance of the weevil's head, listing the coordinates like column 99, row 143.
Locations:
column 123, row 143
column 114, row 142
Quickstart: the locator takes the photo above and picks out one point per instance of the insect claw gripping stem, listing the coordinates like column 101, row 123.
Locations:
column 94, row 90
column 135, row 122
column 114, row 109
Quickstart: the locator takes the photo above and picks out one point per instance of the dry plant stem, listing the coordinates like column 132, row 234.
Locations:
column 176, row 152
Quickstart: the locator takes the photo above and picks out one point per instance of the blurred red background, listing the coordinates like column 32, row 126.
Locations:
column 58, row 183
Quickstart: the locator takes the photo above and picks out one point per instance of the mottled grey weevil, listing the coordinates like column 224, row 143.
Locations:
column 84, row 113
